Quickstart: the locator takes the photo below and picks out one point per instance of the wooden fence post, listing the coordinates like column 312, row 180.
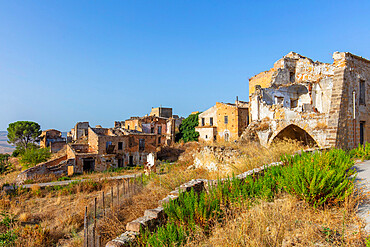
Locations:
column 118, row 195
column 99, row 241
column 123, row 187
column 93, row 236
column 86, row 232
column 111, row 191
column 103, row 204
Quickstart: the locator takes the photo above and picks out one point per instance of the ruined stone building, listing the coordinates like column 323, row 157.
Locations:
column 223, row 121
column 79, row 131
column 161, row 112
column 52, row 139
column 102, row 149
column 321, row 104
column 111, row 148
column 163, row 127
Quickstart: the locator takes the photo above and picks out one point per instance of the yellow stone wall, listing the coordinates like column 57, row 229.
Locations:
column 263, row 79
column 237, row 121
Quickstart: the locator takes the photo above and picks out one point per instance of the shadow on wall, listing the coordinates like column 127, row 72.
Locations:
column 294, row 132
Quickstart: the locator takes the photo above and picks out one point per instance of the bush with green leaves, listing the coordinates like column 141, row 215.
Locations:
column 319, row 178
column 167, row 235
column 7, row 233
column 361, row 152
column 34, row 156
column 187, row 129
column 5, row 165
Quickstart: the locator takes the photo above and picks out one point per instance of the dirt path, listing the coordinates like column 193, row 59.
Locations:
column 62, row 183
column 363, row 181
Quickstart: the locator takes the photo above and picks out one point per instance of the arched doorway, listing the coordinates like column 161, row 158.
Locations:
column 294, row 132
column 227, row 136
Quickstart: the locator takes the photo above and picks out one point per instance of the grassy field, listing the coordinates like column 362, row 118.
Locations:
column 54, row 216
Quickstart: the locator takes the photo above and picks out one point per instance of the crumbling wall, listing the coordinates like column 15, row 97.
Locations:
column 41, row 169
column 344, row 124
column 316, row 97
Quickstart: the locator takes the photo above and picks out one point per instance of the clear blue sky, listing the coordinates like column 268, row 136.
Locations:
column 67, row 61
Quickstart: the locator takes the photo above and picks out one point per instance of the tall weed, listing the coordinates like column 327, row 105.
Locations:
column 319, row 178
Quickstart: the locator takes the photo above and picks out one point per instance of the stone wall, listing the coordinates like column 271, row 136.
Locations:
column 299, row 97
column 43, row 169
column 154, row 218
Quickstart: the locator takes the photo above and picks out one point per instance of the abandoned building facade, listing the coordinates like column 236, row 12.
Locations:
column 111, row 148
column 223, row 121
column 52, row 139
column 129, row 143
column 321, row 104
column 163, row 127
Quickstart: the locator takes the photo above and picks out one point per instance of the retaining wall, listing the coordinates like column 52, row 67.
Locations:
column 154, row 218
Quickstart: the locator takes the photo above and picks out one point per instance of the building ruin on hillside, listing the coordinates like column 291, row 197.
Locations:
column 111, row 148
column 320, row 104
column 52, row 139
column 223, row 122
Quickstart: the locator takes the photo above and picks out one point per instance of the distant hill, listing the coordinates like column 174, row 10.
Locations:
column 5, row 147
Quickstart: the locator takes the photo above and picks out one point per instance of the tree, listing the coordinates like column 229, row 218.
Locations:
column 23, row 133
column 34, row 156
column 187, row 128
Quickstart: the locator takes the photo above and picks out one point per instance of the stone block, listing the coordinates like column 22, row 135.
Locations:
column 155, row 213
column 125, row 239
column 141, row 222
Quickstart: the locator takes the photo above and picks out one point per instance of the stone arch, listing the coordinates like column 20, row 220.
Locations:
column 294, row 132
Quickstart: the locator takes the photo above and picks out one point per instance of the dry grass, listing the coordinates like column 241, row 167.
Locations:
column 60, row 213
column 132, row 208
column 251, row 155
column 288, row 222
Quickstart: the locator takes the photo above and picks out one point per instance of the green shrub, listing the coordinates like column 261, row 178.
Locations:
column 34, row 156
column 318, row 178
column 368, row 242
column 64, row 178
column 5, row 165
column 361, row 152
column 167, row 235
column 8, row 235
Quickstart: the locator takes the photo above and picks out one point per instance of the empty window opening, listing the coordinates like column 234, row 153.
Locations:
column 141, row 144
column 206, row 137
column 159, row 140
column 293, row 103
column 214, row 138
column 128, row 127
column 279, row 100
column 131, row 160
column 227, row 137
column 203, row 121
column 120, row 145
column 152, row 130
column 226, row 119
column 159, row 129
column 362, row 92
column 362, row 129
column 109, row 147
column 211, row 121
column 120, row 162
column 88, row 164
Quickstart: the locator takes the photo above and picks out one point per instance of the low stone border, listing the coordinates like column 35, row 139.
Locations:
column 154, row 218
